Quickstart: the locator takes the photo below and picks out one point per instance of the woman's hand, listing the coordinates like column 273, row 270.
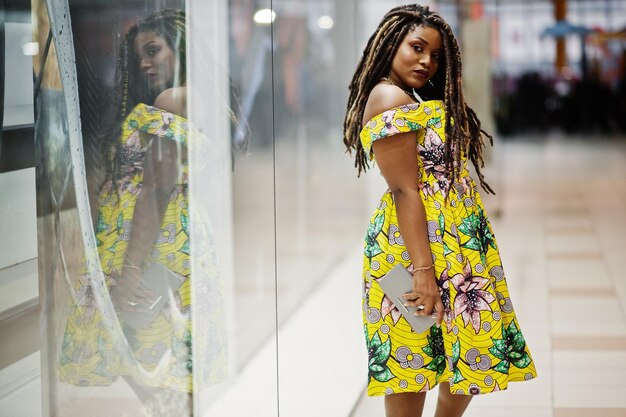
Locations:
column 425, row 295
column 128, row 294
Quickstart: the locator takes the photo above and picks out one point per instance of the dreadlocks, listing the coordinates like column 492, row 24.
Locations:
column 131, row 85
column 463, row 129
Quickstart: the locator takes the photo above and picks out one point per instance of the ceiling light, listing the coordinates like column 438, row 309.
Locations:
column 264, row 17
column 325, row 22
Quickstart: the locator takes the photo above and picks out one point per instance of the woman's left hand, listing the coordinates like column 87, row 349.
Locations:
column 425, row 295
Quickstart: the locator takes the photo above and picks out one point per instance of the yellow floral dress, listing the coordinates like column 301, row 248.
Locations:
column 479, row 348
column 90, row 355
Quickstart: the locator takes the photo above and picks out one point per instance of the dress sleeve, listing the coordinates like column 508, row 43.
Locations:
column 154, row 121
column 403, row 119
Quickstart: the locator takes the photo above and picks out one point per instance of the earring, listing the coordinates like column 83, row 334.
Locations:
column 431, row 83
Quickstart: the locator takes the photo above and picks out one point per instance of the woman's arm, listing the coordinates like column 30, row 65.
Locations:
column 161, row 170
column 397, row 159
column 160, row 173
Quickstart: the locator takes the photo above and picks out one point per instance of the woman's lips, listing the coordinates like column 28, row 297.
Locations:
column 423, row 74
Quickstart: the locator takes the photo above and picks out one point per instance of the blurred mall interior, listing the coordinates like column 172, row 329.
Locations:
column 278, row 327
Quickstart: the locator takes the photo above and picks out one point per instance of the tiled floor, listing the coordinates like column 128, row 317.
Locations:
column 562, row 238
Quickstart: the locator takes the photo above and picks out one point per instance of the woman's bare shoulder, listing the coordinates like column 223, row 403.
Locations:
column 384, row 97
column 173, row 100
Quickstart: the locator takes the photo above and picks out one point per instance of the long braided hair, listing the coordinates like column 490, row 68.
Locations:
column 463, row 135
column 131, row 84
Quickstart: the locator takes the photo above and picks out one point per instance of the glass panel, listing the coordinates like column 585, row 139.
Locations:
column 251, row 299
column 58, row 232
column 253, row 180
column 137, row 248
column 239, row 72
column 321, row 207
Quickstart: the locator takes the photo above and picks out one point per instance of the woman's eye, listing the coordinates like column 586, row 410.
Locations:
column 152, row 51
column 417, row 48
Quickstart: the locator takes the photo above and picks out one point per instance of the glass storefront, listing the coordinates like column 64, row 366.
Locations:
column 158, row 300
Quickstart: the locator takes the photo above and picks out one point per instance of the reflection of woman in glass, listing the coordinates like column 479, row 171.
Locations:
column 406, row 109
column 142, row 220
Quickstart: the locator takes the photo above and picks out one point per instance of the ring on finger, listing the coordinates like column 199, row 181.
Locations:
column 421, row 307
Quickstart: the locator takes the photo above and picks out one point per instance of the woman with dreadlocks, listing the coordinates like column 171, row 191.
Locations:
column 406, row 109
column 143, row 222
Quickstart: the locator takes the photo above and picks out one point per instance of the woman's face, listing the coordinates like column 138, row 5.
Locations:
column 417, row 58
column 156, row 60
